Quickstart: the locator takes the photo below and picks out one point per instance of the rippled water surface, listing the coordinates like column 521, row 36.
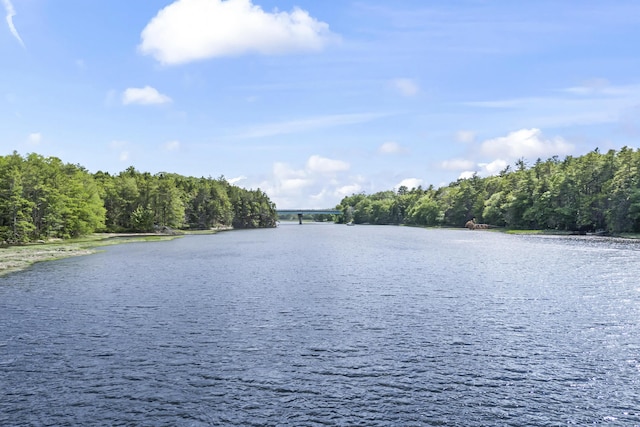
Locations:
column 323, row 324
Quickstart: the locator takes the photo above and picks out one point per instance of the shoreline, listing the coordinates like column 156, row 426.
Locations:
column 20, row 257
column 17, row 258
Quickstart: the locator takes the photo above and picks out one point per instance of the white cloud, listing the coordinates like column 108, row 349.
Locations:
column 465, row 136
column 144, row 96
column 11, row 12
column 123, row 156
column 171, row 146
column 466, row 174
column 317, row 164
column 34, row 138
column 457, row 164
column 410, row 183
column 348, row 190
column 190, row 30
column 494, row 167
column 390, row 147
column 236, row 179
column 527, row 143
column 406, row 87
column 319, row 184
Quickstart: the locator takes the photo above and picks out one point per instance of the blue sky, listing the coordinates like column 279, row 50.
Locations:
column 311, row 101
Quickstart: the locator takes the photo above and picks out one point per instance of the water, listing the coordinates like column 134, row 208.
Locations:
column 323, row 324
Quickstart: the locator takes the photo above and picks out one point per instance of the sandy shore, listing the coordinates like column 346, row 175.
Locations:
column 16, row 258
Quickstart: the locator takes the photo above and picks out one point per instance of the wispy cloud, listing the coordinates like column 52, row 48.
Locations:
column 11, row 12
column 595, row 102
column 465, row 136
column 34, row 138
column 121, row 148
column 313, row 123
column 171, row 146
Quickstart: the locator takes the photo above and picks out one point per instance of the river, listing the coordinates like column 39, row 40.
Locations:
column 323, row 324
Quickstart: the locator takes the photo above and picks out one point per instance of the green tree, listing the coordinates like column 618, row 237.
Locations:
column 15, row 224
column 167, row 202
column 425, row 211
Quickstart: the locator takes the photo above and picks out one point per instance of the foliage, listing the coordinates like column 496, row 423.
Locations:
column 594, row 192
column 42, row 197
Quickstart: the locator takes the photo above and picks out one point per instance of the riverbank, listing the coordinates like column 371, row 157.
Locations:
column 626, row 236
column 16, row 258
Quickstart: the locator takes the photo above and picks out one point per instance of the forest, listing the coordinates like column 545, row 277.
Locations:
column 43, row 198
column 594, row 192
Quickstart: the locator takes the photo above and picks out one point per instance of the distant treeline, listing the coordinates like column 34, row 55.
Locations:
column 42, row 197
column 588, row 193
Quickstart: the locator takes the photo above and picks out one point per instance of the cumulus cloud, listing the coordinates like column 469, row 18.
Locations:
column 410, row 183
column 527, row 143
column 494, row 167
column 348, row 190
column 11, row 12
column 287, row 180
column 498, row 153
column 390, row 147
column 466, row 174
column 190, row 30
column 406, row 87
column 323, row 165
column 144, row 96
column 318, row 184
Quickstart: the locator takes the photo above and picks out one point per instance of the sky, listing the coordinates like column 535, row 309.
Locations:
column 311, row 101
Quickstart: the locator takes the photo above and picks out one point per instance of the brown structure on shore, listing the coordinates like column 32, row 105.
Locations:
column 471, row 225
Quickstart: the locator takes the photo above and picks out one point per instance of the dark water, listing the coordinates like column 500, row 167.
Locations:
column 327, row 325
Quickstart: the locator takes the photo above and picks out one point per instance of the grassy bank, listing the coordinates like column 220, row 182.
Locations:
column 16, row 258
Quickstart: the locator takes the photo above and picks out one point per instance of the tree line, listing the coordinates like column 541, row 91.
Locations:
column 597, row 191
column 42, row 197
